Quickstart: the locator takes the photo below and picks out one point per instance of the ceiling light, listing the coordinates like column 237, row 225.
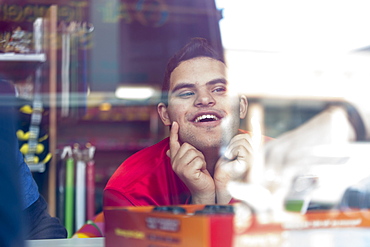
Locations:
column 134, row 93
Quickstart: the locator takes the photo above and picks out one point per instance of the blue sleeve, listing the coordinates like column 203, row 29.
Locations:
column 39, row 223
column 30, row 192
column 11, row 228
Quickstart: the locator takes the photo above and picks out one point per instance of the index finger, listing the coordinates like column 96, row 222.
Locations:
column 174, row 139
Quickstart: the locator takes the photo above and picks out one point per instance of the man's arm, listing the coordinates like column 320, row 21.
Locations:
column 114, row 198
column 189, row 164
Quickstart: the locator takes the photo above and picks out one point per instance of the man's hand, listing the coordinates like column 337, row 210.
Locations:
column 234, row 164
column 189, row 164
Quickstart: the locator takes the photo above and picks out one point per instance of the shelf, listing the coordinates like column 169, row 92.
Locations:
column 41, row 64
column 110, row 144
column 16, row 57
column 15, row 66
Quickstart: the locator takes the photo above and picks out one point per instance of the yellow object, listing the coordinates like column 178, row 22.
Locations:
column 39, row 148
column 80, row 235
column 27, row 109
column 46, row 136
column 24, row 149
column 36, row 159
column 23, row 136
column 47, row 158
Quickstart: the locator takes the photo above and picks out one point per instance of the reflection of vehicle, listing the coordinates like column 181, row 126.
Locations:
column 321, row 155
column 279, row 115
column 287, row 92
column 294, row 86
column 336, row 177
column 285, row 114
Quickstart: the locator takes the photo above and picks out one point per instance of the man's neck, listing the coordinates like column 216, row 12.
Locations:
column 211, row 156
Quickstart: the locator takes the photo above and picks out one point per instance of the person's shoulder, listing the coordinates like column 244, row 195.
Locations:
column 30, row 192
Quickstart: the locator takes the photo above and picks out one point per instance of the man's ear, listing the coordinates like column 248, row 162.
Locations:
column 243, row 102
column 163, row 114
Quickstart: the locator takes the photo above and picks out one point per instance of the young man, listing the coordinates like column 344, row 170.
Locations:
column 205, row 146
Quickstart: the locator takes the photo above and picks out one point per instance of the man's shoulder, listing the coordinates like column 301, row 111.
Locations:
column 150, row 161
column 145, row 160
column 156, row 151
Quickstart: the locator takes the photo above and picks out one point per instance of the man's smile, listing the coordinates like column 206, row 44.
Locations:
column 206, row 118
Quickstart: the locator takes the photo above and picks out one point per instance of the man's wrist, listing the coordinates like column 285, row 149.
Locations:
column 206, row 199
column 223, row 197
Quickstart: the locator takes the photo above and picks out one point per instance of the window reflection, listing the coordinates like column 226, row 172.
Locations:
column 69, row 63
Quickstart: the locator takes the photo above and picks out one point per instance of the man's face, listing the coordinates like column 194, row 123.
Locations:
column 201, row 102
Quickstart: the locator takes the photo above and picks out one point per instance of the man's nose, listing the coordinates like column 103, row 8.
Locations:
column 204, row 99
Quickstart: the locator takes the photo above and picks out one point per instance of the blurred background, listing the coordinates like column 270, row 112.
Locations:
column 90, row 72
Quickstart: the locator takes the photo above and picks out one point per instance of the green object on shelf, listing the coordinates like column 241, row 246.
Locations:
column 294, row 205
column 69, row 196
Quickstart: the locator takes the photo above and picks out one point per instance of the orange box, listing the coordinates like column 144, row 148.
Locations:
column 140, row 226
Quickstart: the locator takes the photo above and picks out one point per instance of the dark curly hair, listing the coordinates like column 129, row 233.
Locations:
column 197, row 47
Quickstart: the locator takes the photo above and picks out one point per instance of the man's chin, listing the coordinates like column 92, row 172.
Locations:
column 208, row 144
column 211, row 138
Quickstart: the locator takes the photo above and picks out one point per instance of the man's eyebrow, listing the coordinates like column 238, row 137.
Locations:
column 192, row 85
column 182, row 85
column 216, row 81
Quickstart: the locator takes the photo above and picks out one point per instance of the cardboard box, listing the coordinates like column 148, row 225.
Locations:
column 141, row 226
column 195, row 226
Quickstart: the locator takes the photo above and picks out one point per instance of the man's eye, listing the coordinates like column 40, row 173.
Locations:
column 219, row 89
column 186, row 94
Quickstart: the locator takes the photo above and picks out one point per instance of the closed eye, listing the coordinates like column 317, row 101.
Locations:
column 185, row 94
column 219, row 89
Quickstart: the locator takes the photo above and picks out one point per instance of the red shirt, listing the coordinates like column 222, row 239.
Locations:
column 146, row 178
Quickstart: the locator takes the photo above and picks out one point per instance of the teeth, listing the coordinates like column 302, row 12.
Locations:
column 205, row 117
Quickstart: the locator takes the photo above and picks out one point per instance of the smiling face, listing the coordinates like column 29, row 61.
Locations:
column 200, row 101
